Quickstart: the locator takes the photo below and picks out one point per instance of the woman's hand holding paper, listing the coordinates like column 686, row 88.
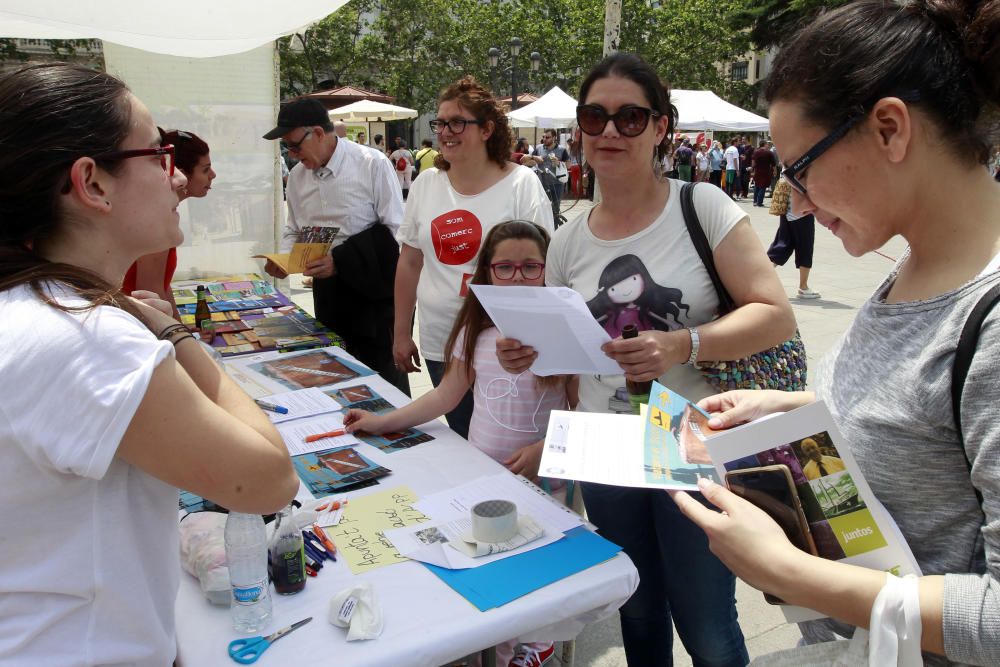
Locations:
column 733, row 408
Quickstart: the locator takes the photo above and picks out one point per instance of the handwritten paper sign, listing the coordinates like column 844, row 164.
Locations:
column 360, row 535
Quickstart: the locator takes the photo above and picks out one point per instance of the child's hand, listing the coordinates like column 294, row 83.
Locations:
column 526, row 460
column 362, row 420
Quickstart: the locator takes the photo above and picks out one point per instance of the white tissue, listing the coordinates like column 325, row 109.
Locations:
column 365, row 621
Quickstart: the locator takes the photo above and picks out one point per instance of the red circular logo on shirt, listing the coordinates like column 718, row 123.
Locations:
column 456, row 236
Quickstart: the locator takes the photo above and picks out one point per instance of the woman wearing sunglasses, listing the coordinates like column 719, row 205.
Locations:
column 108, row 404
column 911, row 88
column 451, row 207
column 633, row 260
column 153, row 273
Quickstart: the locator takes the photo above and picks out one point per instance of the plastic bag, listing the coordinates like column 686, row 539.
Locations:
column 203, row 554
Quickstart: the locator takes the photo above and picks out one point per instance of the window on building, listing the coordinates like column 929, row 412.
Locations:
column 740, row 71
column 756, row 70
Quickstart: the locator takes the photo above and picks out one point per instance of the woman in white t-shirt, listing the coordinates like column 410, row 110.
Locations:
column 472, row 187
column 401, row 157
column 633, row 260
column 108, row 404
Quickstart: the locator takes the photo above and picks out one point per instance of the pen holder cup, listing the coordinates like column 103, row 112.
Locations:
column 494, row 521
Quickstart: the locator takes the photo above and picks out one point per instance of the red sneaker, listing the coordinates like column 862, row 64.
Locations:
column 530, row 657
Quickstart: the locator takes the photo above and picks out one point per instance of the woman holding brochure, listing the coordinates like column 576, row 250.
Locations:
column 451, row 207
column 632, row 259
column 906, row 81
column 108, row 403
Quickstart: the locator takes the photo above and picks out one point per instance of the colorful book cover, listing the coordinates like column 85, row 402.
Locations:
column 317, row 368
column 335, row 470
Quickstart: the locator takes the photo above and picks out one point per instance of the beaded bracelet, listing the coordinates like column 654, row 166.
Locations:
column 171, row 330
column 180, row 338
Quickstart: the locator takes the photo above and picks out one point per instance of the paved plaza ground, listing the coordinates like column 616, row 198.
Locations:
column 844, row 283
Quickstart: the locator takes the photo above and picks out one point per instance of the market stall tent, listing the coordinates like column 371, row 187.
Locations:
column 209, row 68
column 366, row 110
column 704, row 110
column 553, row 109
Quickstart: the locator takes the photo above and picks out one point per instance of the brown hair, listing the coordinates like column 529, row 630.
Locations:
column 638, row 71
column 480, row 102
column 945, row 51
column 189, row 148
column 52, row 115
column 472, row 318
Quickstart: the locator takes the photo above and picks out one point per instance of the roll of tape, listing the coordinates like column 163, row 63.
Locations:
column 494, row 521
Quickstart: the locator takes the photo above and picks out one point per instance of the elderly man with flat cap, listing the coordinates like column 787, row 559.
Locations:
column 339, row 183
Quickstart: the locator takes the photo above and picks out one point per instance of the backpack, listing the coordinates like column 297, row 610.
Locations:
column 417, row 158
column 402, row 164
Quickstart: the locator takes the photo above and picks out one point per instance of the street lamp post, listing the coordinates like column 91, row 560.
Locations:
column 515, row 51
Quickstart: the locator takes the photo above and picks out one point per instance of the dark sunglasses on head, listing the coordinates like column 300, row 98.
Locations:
column 630, row 120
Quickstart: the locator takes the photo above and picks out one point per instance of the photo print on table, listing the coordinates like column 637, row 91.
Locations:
column 317, row 368
column 363, row 397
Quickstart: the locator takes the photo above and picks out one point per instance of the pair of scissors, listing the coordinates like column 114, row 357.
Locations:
column 246, row 651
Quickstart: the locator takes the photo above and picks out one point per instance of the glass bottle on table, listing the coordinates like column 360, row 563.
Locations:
column 287, row 555
column 202, row 315
column 638, row 392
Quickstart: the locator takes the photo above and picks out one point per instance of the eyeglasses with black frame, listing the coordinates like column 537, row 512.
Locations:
column 793, row 173
column 507, row 270
column 296, row 146
column 165, row 153
column 630, row 120
column 455, row 125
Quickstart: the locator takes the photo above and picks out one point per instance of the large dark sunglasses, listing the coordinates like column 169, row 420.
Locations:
column 630, row 120
column 794, row 172
column 165, row 153
column 455, row 125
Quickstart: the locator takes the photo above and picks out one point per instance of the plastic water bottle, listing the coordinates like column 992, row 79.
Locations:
column 246, row 555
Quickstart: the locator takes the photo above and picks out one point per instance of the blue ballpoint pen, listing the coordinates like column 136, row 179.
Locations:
column 270, row 407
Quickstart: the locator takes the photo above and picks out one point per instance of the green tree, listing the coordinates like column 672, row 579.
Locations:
column 328, row 51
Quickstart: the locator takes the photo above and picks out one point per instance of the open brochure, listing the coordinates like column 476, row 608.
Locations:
column 311, row 244
column 795, row 465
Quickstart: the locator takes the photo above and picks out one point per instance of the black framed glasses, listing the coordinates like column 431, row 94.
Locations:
column 455, row 125
column 792, row 172
column 165, row 153
column 630, row 120
column 507, row 270
column 296, row 146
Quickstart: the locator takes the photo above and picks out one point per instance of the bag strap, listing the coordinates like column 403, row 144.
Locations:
column 967, row 343
column 704, row 248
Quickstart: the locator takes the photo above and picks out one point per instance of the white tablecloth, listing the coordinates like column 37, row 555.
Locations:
column 426, row 622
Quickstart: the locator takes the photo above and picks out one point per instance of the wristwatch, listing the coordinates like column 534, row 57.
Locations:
column 695, row 344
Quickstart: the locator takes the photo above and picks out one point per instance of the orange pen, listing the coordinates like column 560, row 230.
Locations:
column 328, row 434
column 327, row 542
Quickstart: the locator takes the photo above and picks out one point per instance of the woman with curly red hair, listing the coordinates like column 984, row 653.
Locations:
column 472, row 187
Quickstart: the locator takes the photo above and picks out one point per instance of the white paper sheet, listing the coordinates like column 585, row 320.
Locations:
column 294, row 434
column 595, row 447
column 300, row 403
column 553, row 320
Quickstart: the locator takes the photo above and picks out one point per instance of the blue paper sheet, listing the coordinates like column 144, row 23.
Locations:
column 503, row 581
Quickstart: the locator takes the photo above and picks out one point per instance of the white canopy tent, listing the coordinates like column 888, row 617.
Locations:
column 368, row 110
column 553, row 109
column 704, row 110
column 217, row 28
column 215, row 76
